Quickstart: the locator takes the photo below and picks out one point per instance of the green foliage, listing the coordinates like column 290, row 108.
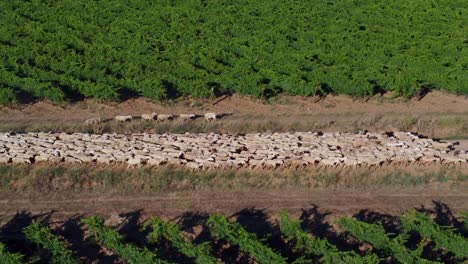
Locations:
column 7, row 96
column 112, row 240
column 154, row 91
column 309, row 247
column 172, row 233
column 234, row 234
column 42, row 236
column 464, row 216
column 102, row 49
column 292, row 231
column 443, row 238
column 9, row 258
column 375, row 234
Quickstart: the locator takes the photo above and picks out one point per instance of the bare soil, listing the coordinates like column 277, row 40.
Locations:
column 435, row 102
column 169, row 206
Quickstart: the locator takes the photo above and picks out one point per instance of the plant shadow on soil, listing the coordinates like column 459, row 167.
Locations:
column 193, row 225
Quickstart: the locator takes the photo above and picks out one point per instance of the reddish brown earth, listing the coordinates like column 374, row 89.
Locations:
column 435, row 102
column 338, row 203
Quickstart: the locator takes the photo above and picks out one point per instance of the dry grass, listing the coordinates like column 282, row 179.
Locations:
column 60, row 180
column 453, row 126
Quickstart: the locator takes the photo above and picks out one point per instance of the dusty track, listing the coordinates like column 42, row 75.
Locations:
column 173, row 205
column 435, row 102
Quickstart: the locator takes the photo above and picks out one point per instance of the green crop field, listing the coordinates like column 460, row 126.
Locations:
column 110, row 50
column 419, row 239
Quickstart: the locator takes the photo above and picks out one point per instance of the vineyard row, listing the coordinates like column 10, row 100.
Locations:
column 305, row 248
column 110, row 50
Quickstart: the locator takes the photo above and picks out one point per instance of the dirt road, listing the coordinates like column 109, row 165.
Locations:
column 175, row 204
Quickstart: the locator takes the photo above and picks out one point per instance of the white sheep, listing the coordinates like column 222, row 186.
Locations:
column 135, row 162
column 165, row 117
column 187, row 116
column 193, row 165
column 210, row 116
column 151, row 116
column 123, row 118
column 93, row 121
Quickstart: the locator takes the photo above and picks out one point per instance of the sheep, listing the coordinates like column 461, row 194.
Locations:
column 22, row 159
column 210, row 116
column 135, row 162
column 165, row 117
column 194, row 165
column 5, row 159
column 151, row 116
column 123, row 118
column 187, row 116
column 93, row 121
column 156, row 161
column 105, row 159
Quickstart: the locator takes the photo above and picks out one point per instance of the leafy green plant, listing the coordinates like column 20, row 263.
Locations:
column 375, row 234
column 292, row 231
column 444, row 238
column 42, row 236
column 465, row 219
column 172, row 233
column 112, row 240
column 308, row 247
column 9, row 258
column 7, row 96
column 234, row 234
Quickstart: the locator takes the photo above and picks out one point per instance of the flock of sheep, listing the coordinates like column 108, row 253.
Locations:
column 155, row 116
